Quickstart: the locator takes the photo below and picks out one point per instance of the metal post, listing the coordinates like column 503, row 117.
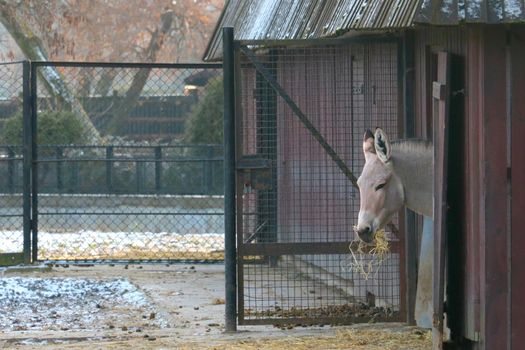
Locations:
column 73, row 185
column 208, row 171
column 10, row 170
column 230, row 253
column 27, row 161
column 60, row 181
column 34, row 165
column 139, row 167
column 158, row 169
column 109, row 168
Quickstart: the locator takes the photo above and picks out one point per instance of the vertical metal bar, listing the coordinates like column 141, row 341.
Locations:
column 406, row 69
column 158, row 169
column 27, row 160
column 139, row 176
column 74, row 178
column 109, row 168
column 229, row 180
column 34, row 164
column 60, row 181
column 10, row 170
column 207, row 168
column 239, row 186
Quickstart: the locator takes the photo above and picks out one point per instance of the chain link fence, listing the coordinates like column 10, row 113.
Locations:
column 11, row 201
column 123, row 168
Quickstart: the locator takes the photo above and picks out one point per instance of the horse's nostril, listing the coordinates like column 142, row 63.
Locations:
column 364, row 230
column 364, row 233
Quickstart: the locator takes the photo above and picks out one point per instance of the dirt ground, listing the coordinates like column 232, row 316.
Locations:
column 188, row 313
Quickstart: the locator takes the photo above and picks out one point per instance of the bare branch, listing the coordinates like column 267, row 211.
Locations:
column 140, row 79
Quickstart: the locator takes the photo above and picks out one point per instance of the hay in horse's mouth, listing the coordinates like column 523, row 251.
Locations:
column 367, row 258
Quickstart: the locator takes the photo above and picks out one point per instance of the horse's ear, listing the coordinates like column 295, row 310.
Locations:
column 368, row 143
column 382, row 145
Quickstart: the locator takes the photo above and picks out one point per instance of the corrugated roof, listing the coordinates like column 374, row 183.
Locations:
column 308, row 19
column 451, row 12
column 311, row 19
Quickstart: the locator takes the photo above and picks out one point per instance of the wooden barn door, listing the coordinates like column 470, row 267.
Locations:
column 440, row 112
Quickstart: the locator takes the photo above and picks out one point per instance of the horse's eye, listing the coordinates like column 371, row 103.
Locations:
column 380, row 186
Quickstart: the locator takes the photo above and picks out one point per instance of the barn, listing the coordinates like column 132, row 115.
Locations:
column 310, row 77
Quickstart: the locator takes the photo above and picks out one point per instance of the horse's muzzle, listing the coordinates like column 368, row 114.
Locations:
column 365, row 234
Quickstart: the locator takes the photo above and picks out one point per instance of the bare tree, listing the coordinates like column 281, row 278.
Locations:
column 139, row 80
column 116, row 31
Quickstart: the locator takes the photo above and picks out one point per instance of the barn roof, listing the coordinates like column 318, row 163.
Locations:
column 307, row 19
column 264, row 20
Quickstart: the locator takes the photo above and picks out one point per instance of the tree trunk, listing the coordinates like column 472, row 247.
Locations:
column 105, row 82
column 121, row 109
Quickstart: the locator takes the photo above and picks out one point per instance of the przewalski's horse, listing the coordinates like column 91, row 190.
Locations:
column 395, row 174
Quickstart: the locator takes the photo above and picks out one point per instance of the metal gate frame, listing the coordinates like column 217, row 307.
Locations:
column 239, row 169
column 30, row 192
column 32, row 97
column 24, row 256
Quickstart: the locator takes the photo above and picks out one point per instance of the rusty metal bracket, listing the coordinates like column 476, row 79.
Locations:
column 256, row 172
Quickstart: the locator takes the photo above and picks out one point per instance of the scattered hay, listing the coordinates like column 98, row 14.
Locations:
column 346, row 313
column 380, row 339
column 367, row 258
column 360, row 339
column 135, row 254
column 218, row 301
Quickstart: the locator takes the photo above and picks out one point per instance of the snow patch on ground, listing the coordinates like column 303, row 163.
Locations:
column 17, row 289
column 72, row 303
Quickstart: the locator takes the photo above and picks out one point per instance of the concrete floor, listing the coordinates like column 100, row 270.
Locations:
column 188, row 299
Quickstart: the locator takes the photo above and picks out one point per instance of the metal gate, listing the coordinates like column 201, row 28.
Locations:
column 15, row 168
column 300, row 117
column 108, row 172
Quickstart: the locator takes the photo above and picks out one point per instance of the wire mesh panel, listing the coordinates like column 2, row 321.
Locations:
column 304, row 113
column 11, row 167
column 127, row 167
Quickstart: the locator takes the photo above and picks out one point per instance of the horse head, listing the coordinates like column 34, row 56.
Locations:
column 380, row 189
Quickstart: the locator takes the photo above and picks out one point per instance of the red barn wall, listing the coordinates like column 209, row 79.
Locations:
column 493, row 172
